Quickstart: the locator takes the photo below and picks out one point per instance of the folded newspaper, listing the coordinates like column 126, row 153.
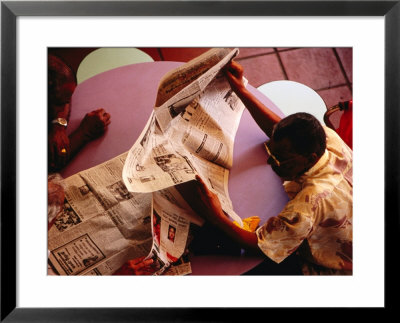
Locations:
column 129, row 207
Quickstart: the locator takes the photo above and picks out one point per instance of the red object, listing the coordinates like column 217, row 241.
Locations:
column 340, row 119
column 345, row 130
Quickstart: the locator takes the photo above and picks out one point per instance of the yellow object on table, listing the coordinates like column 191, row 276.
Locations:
column 249, row 224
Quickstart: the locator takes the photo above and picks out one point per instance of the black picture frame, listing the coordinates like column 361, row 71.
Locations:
column 10, row 10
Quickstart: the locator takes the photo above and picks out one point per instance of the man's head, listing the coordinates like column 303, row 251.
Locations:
column 61, row 81
column 297, row 143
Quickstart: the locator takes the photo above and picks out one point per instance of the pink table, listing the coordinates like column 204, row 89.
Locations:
column 128, row 93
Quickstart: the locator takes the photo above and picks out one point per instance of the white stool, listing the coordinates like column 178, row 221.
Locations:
column 291, row 97
column 104, row 59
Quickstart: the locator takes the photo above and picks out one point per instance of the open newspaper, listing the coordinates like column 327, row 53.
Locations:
column 128, row 207
column 102, row 224
column 191, row 131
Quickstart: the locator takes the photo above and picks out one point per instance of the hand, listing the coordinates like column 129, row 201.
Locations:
column 138, row 266
column 59, row 147
column 208, row 203
column 94, row 124
column 55, row 194
column 55, row 201
column 234, row 74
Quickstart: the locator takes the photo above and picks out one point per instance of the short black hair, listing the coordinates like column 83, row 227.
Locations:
column 304, row 132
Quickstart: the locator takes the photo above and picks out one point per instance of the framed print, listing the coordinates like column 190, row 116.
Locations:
column 375, row 35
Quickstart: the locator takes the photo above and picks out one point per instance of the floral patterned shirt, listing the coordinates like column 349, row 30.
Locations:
column 319, row 212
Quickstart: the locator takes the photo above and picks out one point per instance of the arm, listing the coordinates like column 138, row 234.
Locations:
column 93, row 125
column 207, row 205
column 262, row 115
column 58, row 141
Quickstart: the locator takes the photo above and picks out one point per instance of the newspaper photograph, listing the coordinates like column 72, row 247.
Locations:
column 170, row 228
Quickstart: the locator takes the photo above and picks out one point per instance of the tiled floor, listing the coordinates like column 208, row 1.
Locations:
column 326, row 70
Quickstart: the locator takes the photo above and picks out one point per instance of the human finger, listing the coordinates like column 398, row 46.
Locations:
column 102, row 112
column 201, row 185
column 99, row 110
column 144, row 263
column 105, row 123
column 136, row 261
column 106, row 116
column 206, row 197
column 234, row 69
column 234, row 76
column 227, row 66
column 148, row 262
column 230, row 76
column 237, row 68
column 95, row 112
column 144, row 268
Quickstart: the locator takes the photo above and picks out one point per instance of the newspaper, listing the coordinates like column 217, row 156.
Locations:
column 191, row 131
column 102, row 223
column 179, row 142
column 128, row 207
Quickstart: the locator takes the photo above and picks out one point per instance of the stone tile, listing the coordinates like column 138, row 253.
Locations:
column 333, row 96
column 182, row 54
column 262, row 69
column 317, row 68
column 346, row 58
column 285, row 48
column 253, row 51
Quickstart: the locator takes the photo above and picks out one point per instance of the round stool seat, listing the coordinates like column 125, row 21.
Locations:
column 291, row 97
column 104, row 59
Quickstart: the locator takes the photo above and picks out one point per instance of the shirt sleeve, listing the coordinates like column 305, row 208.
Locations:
column 281, row 235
